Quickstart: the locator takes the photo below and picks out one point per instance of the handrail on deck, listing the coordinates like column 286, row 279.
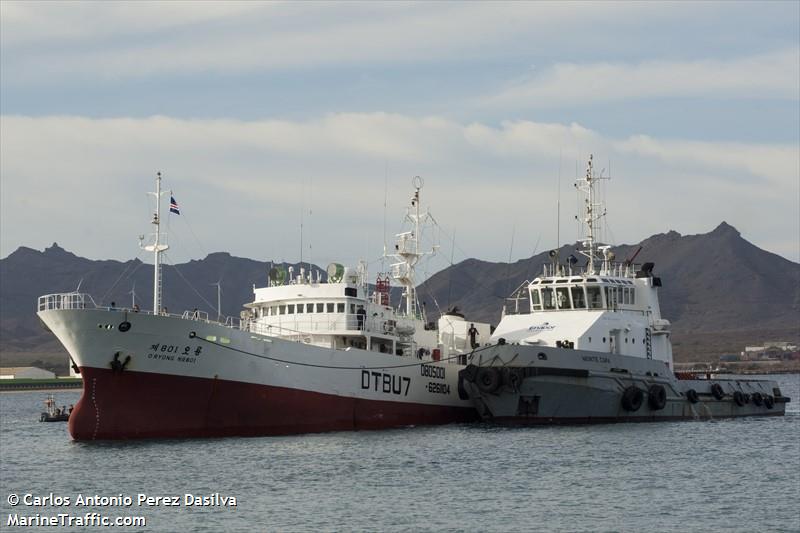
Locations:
column 66, row 300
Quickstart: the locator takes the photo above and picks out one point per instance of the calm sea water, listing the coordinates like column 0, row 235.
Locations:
column 726, row 475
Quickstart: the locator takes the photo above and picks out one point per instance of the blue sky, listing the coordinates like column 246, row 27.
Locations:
column 256, row 112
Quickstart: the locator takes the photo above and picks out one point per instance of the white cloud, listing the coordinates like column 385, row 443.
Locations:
column 79, row 181
column 771, row 75
column 121, row 40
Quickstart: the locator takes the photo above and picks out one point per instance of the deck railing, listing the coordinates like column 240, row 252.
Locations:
column 295, row 327
column 68, row 300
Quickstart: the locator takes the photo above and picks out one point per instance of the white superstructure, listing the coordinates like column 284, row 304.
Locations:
column 602, row 307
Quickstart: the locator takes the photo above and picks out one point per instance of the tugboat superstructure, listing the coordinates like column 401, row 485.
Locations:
column 594, row 348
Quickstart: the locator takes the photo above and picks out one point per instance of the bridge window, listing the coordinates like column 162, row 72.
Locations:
column 320, row 308
column 290, row 310
column 562, row 298
column 282, row 309
column 330, row 308
column 578, row 301
column 299, row 308
column 309, row 308
column 340, row 308
column 611, row 297
column 536, row 302
column 548, row 299
column 594, row 297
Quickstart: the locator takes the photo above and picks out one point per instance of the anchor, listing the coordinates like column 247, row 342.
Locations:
column 117, row 365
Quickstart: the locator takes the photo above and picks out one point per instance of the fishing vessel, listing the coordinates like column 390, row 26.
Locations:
column 593, row 347
column 309, row 353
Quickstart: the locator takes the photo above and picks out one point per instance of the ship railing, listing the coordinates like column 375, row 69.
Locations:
column 195, row 314
column 66, row 300
column 291, row 326
column 620, row 270
column 512, row 303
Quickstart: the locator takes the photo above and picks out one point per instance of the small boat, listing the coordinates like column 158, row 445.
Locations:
column 53, row 413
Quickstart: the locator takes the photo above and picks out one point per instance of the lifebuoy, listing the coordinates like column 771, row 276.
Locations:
column 488, row 379
column 717, row 392
column 738, row 397
column 692, row 396
column 632, row 398
column 758, row 398
column 656, row 397
column 769, row 401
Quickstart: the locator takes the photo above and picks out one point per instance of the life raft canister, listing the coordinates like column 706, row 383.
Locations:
column 692, row 396
column 717, row 392
column 656, row 397
column 632, row 398
column 488, row 379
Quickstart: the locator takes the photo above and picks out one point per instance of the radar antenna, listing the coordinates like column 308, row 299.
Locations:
column 594, row 210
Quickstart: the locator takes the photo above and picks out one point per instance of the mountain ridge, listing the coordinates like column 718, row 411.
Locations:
column 718, row 288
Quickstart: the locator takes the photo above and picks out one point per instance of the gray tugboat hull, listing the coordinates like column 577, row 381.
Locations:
column 544, row 385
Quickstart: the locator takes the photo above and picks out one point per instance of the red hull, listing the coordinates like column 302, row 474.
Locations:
column 132, row 405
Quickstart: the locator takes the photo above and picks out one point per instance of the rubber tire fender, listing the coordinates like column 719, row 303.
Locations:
column 469, row 372
column 632, row 398
column 488, row 379
column 692, row 396
column 758, row 398
column 738, row 397
column 717, row 391
column 656, row 397
column 769, row 401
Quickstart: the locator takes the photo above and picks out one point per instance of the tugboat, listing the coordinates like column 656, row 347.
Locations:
column 52, row 413
column 307, row 354
column 594, row 349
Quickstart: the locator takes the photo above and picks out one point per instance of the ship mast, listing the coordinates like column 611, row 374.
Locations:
column 157, row 247
column 593, row 212
column 407, row 250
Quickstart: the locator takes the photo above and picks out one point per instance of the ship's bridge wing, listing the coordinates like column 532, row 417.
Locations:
column 544, row 328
